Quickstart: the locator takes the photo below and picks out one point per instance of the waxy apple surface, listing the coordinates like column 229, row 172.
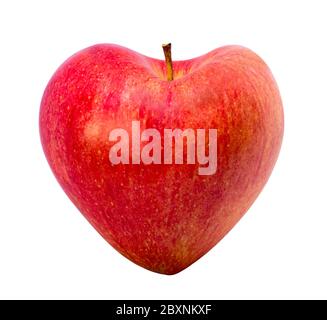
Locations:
column 162, row 217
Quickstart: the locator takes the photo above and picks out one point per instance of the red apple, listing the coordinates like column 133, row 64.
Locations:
column 162, row 216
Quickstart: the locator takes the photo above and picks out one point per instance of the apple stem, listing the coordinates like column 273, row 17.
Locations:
column 169, row 63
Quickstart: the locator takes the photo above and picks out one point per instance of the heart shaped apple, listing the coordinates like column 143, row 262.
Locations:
column 163, row 158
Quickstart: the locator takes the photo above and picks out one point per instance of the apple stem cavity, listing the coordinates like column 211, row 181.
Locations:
column 169, row 63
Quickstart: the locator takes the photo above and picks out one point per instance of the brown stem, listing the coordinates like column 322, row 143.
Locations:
column 169, row 63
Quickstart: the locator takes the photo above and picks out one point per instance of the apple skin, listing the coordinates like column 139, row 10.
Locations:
column 162, row 217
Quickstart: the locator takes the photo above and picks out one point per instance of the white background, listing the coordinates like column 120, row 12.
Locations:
column 278, row 250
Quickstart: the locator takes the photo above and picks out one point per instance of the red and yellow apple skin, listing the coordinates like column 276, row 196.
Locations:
column 162, row 217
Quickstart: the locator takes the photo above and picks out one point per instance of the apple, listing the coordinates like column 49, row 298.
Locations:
column 162, row 215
